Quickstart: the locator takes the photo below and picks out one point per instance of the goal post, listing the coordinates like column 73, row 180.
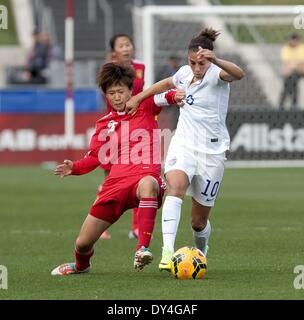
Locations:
column 69, row 112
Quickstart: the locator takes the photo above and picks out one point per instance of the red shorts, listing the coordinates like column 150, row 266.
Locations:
column 117, row 195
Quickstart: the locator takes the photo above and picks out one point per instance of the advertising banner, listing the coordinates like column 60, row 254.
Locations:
column 34, row 138
column 266, row 135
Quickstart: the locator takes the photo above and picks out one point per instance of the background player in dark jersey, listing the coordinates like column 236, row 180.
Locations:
column 130, row 144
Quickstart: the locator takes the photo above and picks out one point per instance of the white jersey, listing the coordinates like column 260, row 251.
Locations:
column 202, row 121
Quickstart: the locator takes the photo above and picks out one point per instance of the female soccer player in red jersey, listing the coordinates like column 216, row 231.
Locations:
column 134, row 179
column 122, row 52
column 122, row 48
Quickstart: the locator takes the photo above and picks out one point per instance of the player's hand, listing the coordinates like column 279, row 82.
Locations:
column 207, row 54
column 64, row 169
column 132, row 105
column 179, row 97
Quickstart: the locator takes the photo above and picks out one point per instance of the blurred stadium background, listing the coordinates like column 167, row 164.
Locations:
column 263, row 135
column 260, row 130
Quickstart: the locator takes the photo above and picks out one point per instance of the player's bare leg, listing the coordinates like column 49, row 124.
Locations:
column 90, row 232
column 147, row 193
column 200, row 225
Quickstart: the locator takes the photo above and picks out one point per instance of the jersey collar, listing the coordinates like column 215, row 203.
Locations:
column 198, row 82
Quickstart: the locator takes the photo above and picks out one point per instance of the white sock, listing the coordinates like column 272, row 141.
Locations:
column 170, row 220
column 201, row 237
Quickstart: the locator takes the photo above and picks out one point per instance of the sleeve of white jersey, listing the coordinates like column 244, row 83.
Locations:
column 217, row 76
column 178, row 76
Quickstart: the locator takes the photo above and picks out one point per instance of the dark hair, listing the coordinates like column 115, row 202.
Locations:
column 116, row 36
column 114, row 74
column 205, row 40
column 36, row 32
column 293, row 36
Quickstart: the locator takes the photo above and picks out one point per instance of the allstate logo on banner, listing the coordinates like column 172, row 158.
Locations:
column 298, row 282
column 3, row 18
column 3, row 278
column 298, row 21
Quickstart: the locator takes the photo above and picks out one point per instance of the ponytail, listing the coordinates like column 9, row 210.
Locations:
column 205, row 40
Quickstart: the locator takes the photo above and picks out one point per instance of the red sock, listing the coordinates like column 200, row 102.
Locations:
column 135, row 219
column 83, row 259
column 146, row 219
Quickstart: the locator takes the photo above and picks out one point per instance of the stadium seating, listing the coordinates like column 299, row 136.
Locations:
column 90, row 39
column 240, row 97
column 175, row 40
column 91, row 46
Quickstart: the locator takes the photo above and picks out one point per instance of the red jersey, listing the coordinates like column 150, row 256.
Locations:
column 131, row 144
column 139, row 71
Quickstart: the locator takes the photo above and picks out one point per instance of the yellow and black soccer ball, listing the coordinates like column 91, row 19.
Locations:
column 188, row 263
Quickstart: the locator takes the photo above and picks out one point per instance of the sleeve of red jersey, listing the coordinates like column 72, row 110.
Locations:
column 156, row 102
column 86, row 164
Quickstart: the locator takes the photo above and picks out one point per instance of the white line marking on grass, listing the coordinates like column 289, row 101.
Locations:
column 31, row 231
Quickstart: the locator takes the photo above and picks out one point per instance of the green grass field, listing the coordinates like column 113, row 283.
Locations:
column 256, row 242
column 9, row 36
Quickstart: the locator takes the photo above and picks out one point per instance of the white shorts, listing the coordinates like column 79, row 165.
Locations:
column 205, row 171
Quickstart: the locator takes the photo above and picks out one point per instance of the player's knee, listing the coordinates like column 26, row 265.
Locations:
column 148, row 187
column 177, row 189
column 83, row 245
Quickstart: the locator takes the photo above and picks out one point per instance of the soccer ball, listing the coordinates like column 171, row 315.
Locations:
column 188, row 263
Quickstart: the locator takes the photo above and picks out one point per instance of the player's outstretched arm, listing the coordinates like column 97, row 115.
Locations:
column 156, row 88
column 64, row 169
column 87, row 164
column 171, row 97
column 80, row 167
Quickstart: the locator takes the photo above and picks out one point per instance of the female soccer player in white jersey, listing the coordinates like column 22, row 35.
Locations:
column 196, row 155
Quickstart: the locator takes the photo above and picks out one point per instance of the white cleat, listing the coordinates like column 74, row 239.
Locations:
column 67, row 269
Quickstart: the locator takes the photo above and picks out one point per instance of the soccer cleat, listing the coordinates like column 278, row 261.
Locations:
column 67, row 268
column 165, row 263
column 205, row 250
column 133, row 234
column 105, row 235
column 142, row 257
